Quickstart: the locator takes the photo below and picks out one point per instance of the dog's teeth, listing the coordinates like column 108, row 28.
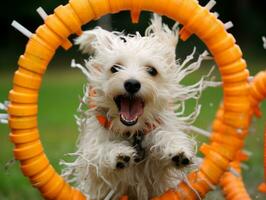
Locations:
column 129, row 121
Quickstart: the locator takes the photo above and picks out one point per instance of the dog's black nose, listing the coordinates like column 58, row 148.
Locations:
column 132, row 86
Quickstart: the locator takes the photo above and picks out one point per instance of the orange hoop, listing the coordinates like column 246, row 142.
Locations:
column 67, row 20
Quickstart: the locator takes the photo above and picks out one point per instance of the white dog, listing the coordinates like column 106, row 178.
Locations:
column 141, row 146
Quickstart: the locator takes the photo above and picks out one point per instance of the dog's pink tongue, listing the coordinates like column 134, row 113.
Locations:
column 131, row 108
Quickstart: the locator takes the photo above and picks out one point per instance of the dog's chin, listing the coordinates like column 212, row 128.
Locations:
column 130, row 109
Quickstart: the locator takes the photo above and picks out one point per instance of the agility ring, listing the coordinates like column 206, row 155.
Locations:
column 232, row 120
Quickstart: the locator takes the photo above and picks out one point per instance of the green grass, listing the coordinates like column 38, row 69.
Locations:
column 58, row 102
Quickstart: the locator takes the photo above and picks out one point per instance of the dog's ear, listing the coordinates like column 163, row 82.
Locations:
column 95, row 40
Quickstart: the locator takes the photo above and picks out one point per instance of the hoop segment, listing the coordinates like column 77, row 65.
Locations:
column 68, row 19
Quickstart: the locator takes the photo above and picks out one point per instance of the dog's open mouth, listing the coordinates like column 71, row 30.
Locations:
column 130, row 109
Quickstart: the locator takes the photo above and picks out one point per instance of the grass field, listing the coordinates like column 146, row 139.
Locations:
column 58, row 102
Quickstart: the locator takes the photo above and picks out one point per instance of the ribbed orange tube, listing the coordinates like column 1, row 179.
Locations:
column 233, row 186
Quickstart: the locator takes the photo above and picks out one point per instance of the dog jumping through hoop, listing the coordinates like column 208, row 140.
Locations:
column 133, row 133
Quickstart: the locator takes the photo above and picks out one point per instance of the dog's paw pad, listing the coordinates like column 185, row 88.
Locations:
column 122, row 162
column 181, row 160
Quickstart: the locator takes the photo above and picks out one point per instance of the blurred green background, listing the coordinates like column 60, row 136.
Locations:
column 62, row 86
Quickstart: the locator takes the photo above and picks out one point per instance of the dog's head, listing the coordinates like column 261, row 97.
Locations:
column 134, row 77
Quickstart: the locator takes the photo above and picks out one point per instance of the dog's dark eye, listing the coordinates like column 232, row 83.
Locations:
column 115, row 68
column 152, row 71
column 123, row 39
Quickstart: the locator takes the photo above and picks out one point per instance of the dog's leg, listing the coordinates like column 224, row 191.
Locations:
column 102, row 165
column 117, row 155
column 174, row 147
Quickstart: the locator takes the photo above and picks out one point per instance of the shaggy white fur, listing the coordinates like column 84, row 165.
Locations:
column 105, row 165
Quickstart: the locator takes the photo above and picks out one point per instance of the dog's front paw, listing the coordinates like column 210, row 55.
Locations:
column 122, row 157
column 181, row 160
column 122, row 161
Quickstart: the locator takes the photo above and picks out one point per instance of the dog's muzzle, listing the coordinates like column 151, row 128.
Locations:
column 130, row 108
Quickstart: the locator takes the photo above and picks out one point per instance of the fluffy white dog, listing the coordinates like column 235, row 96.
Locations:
column 133, row 136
